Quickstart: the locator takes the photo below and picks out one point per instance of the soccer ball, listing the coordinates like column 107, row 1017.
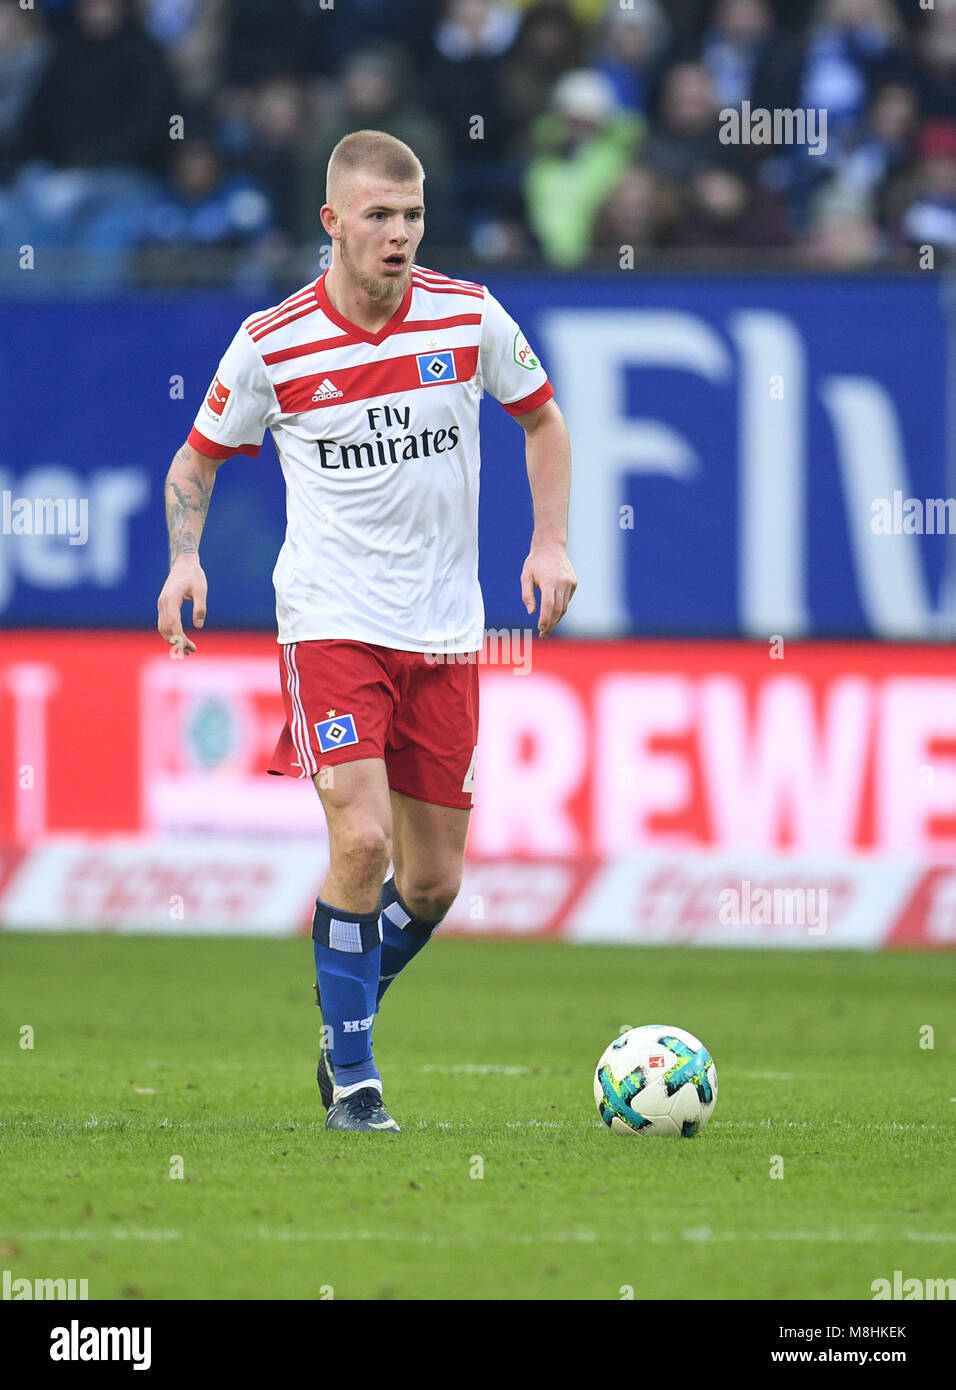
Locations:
column 656, row 1080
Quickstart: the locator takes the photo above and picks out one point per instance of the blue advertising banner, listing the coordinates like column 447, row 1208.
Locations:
column 753, row 456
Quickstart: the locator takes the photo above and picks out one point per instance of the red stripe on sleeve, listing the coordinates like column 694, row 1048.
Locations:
column 543, row 393
column 202, row 445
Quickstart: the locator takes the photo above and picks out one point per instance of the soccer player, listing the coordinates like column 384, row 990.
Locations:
column 370, row 380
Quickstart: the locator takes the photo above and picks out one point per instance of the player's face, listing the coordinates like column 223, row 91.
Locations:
column 381, row 227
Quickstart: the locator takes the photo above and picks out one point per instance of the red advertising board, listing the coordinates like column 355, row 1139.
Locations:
column 586, row 748
column 719, row 794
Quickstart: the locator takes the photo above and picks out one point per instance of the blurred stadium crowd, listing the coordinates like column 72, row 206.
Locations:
column 553, row 132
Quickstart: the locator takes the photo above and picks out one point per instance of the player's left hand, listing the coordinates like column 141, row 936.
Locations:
column 548, row 568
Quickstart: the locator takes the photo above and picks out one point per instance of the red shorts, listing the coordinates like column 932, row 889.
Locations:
column 346, row 700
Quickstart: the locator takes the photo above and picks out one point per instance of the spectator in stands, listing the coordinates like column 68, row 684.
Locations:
column 582, row 146
column 354, row 24
column 853, row 45
column 192, row 32
column 518, row 137
column 631, row 51
column 264, row 38
column 205, row 206
column 549, row 43
column 24, row 52
column 106, row 96
column 585, row 13
column 170, row 21
column 464, row 96
column 867, row 157
column 727, row 213
column 272, row 140
column 841, row 238
column 373, row 95
column 269, row 38
column 929, row 219
column 687, row 135
column 94, row 138
column 640, row 214
column 733, row 47
column 936, row 78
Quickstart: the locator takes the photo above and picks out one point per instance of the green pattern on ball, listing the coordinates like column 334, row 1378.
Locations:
column 692, row 1068
column 617, row 1094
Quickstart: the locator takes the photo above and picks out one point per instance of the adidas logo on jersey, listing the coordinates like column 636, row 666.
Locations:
column 328, row 391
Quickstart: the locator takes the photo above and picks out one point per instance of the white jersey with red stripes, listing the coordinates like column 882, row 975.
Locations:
column 377, row 435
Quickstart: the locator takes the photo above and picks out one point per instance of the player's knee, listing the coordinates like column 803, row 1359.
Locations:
column 430, row 898
column 365, row 847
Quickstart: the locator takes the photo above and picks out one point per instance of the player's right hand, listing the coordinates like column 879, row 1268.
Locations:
column 186, row 581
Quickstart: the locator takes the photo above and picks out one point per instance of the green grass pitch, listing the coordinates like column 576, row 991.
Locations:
column 148, row 1050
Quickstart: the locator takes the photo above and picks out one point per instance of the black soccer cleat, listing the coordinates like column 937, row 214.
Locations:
column 324, row 1073
column 360, row 1111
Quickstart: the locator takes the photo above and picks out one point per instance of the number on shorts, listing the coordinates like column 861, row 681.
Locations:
column 469, row 783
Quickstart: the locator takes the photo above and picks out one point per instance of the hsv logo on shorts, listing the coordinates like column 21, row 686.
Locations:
column 337, row 732
column 218, row 398
column 435, row 366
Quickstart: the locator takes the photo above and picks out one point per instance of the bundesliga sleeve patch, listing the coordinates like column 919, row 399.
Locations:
column 218, row 398
column 523, row 354
column 338, row 731
column 436, row 366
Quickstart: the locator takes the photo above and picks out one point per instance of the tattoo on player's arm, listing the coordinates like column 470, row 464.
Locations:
column 186, row 500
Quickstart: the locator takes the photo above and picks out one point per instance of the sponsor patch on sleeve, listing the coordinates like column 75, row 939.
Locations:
column 218, row 398
column 523, row 354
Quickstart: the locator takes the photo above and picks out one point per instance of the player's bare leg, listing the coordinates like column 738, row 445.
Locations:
column 429, row 856
column 429, row 853
column 359, row 816
column 346, row 933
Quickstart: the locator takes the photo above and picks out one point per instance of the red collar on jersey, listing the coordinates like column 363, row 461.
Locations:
column 353, row 329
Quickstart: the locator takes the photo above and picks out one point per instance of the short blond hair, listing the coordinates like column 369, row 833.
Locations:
column 373, row 152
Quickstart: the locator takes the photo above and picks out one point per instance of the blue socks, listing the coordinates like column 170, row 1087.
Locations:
column 348, row 952
column 403, row 935
column 357, row 956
